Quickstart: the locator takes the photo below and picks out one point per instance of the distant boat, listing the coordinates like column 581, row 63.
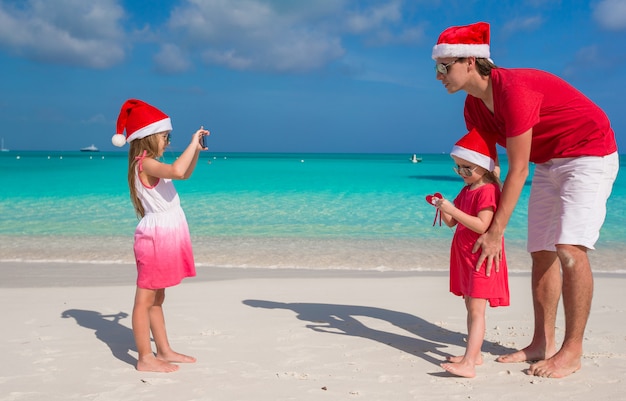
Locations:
column 415, row 159
column 91, row 148
column 2, row 148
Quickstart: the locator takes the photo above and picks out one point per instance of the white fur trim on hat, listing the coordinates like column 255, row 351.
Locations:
column 472, row 156
column 446, row 50
column 156, row 127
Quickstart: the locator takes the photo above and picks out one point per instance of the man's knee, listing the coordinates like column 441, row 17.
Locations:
column 543, row 260
column 571, row 256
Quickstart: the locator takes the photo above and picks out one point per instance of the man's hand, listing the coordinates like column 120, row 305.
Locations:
column 491, row 251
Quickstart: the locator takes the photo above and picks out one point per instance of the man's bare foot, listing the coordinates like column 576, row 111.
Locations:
column 175, row 357
column 560, row 365
column 152, row 364
column 460, row 369
column 458, row 359
column 527, row 354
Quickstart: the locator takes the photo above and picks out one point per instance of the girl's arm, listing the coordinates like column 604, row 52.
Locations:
column 183, row 167
column 479, row 223
column 202, row 132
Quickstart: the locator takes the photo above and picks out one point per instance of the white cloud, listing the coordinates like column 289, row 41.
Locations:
column 374, row 17
column 71, row 32
column 96, row 119
column 586, row 59
column 247, row 34
column 170, row 59
column 522, row 25
column 382, row 25
column 261, row 35
column 408, row 36
column 283, row 36
column 611, row 14
column 228, row 58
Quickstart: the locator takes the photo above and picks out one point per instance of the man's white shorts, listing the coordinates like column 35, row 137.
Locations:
column 568, row 201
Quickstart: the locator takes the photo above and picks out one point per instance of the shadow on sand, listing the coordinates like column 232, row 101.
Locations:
column 107, row 329
column 423, row 339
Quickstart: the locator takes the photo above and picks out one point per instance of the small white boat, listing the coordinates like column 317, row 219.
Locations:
column 2, row 148
column 91, row 148
column 415, row 159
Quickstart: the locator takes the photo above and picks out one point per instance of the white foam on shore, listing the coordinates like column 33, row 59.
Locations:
column 280, row 253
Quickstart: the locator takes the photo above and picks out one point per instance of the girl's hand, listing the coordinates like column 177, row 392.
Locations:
column 198, row 138
column 445, row 205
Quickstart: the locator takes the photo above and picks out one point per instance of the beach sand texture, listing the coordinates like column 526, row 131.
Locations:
column 263, row 334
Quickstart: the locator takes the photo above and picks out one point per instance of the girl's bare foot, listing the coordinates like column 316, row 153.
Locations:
column 458, row 359
column 460, row 369
column 152, row 364
column 175, row 357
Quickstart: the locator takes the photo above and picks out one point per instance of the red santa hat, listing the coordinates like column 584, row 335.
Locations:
column 476, row 148
column 463, row 41
column 139, row 119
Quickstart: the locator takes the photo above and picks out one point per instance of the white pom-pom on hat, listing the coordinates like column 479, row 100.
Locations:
column 118, row 140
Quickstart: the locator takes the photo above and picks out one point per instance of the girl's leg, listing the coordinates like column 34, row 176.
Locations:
column 142, row 314
column 465, row 367
column 476, row 333
column 157, row 325
column 457, row 359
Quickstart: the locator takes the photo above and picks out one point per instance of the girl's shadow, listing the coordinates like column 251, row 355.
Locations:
column 425, row 340
column 107, row 329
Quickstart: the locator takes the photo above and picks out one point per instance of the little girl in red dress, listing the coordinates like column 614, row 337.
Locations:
column 471, row 213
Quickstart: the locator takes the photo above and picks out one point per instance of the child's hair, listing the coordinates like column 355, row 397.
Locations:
column 491, row 176
column 150, row 144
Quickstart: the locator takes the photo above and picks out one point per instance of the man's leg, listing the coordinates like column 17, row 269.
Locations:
column 546, row 291
column 577, row 295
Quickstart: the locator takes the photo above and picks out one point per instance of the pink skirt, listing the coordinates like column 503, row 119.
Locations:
column 163, row 251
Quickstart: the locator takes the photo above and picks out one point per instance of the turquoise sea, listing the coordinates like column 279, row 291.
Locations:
column 327, row 211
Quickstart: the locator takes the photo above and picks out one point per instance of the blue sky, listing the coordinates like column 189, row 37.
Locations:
column 281, row 75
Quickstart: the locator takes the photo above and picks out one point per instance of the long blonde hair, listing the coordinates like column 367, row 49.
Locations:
column 150, row 144
column 492, row 176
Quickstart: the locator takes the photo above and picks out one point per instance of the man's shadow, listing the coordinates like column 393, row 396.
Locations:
column 107, row 329
column 426, row 340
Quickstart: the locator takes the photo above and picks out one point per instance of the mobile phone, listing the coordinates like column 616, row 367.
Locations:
column 203, row 141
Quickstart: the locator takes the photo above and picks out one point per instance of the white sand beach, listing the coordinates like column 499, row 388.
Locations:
column 262, row 334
